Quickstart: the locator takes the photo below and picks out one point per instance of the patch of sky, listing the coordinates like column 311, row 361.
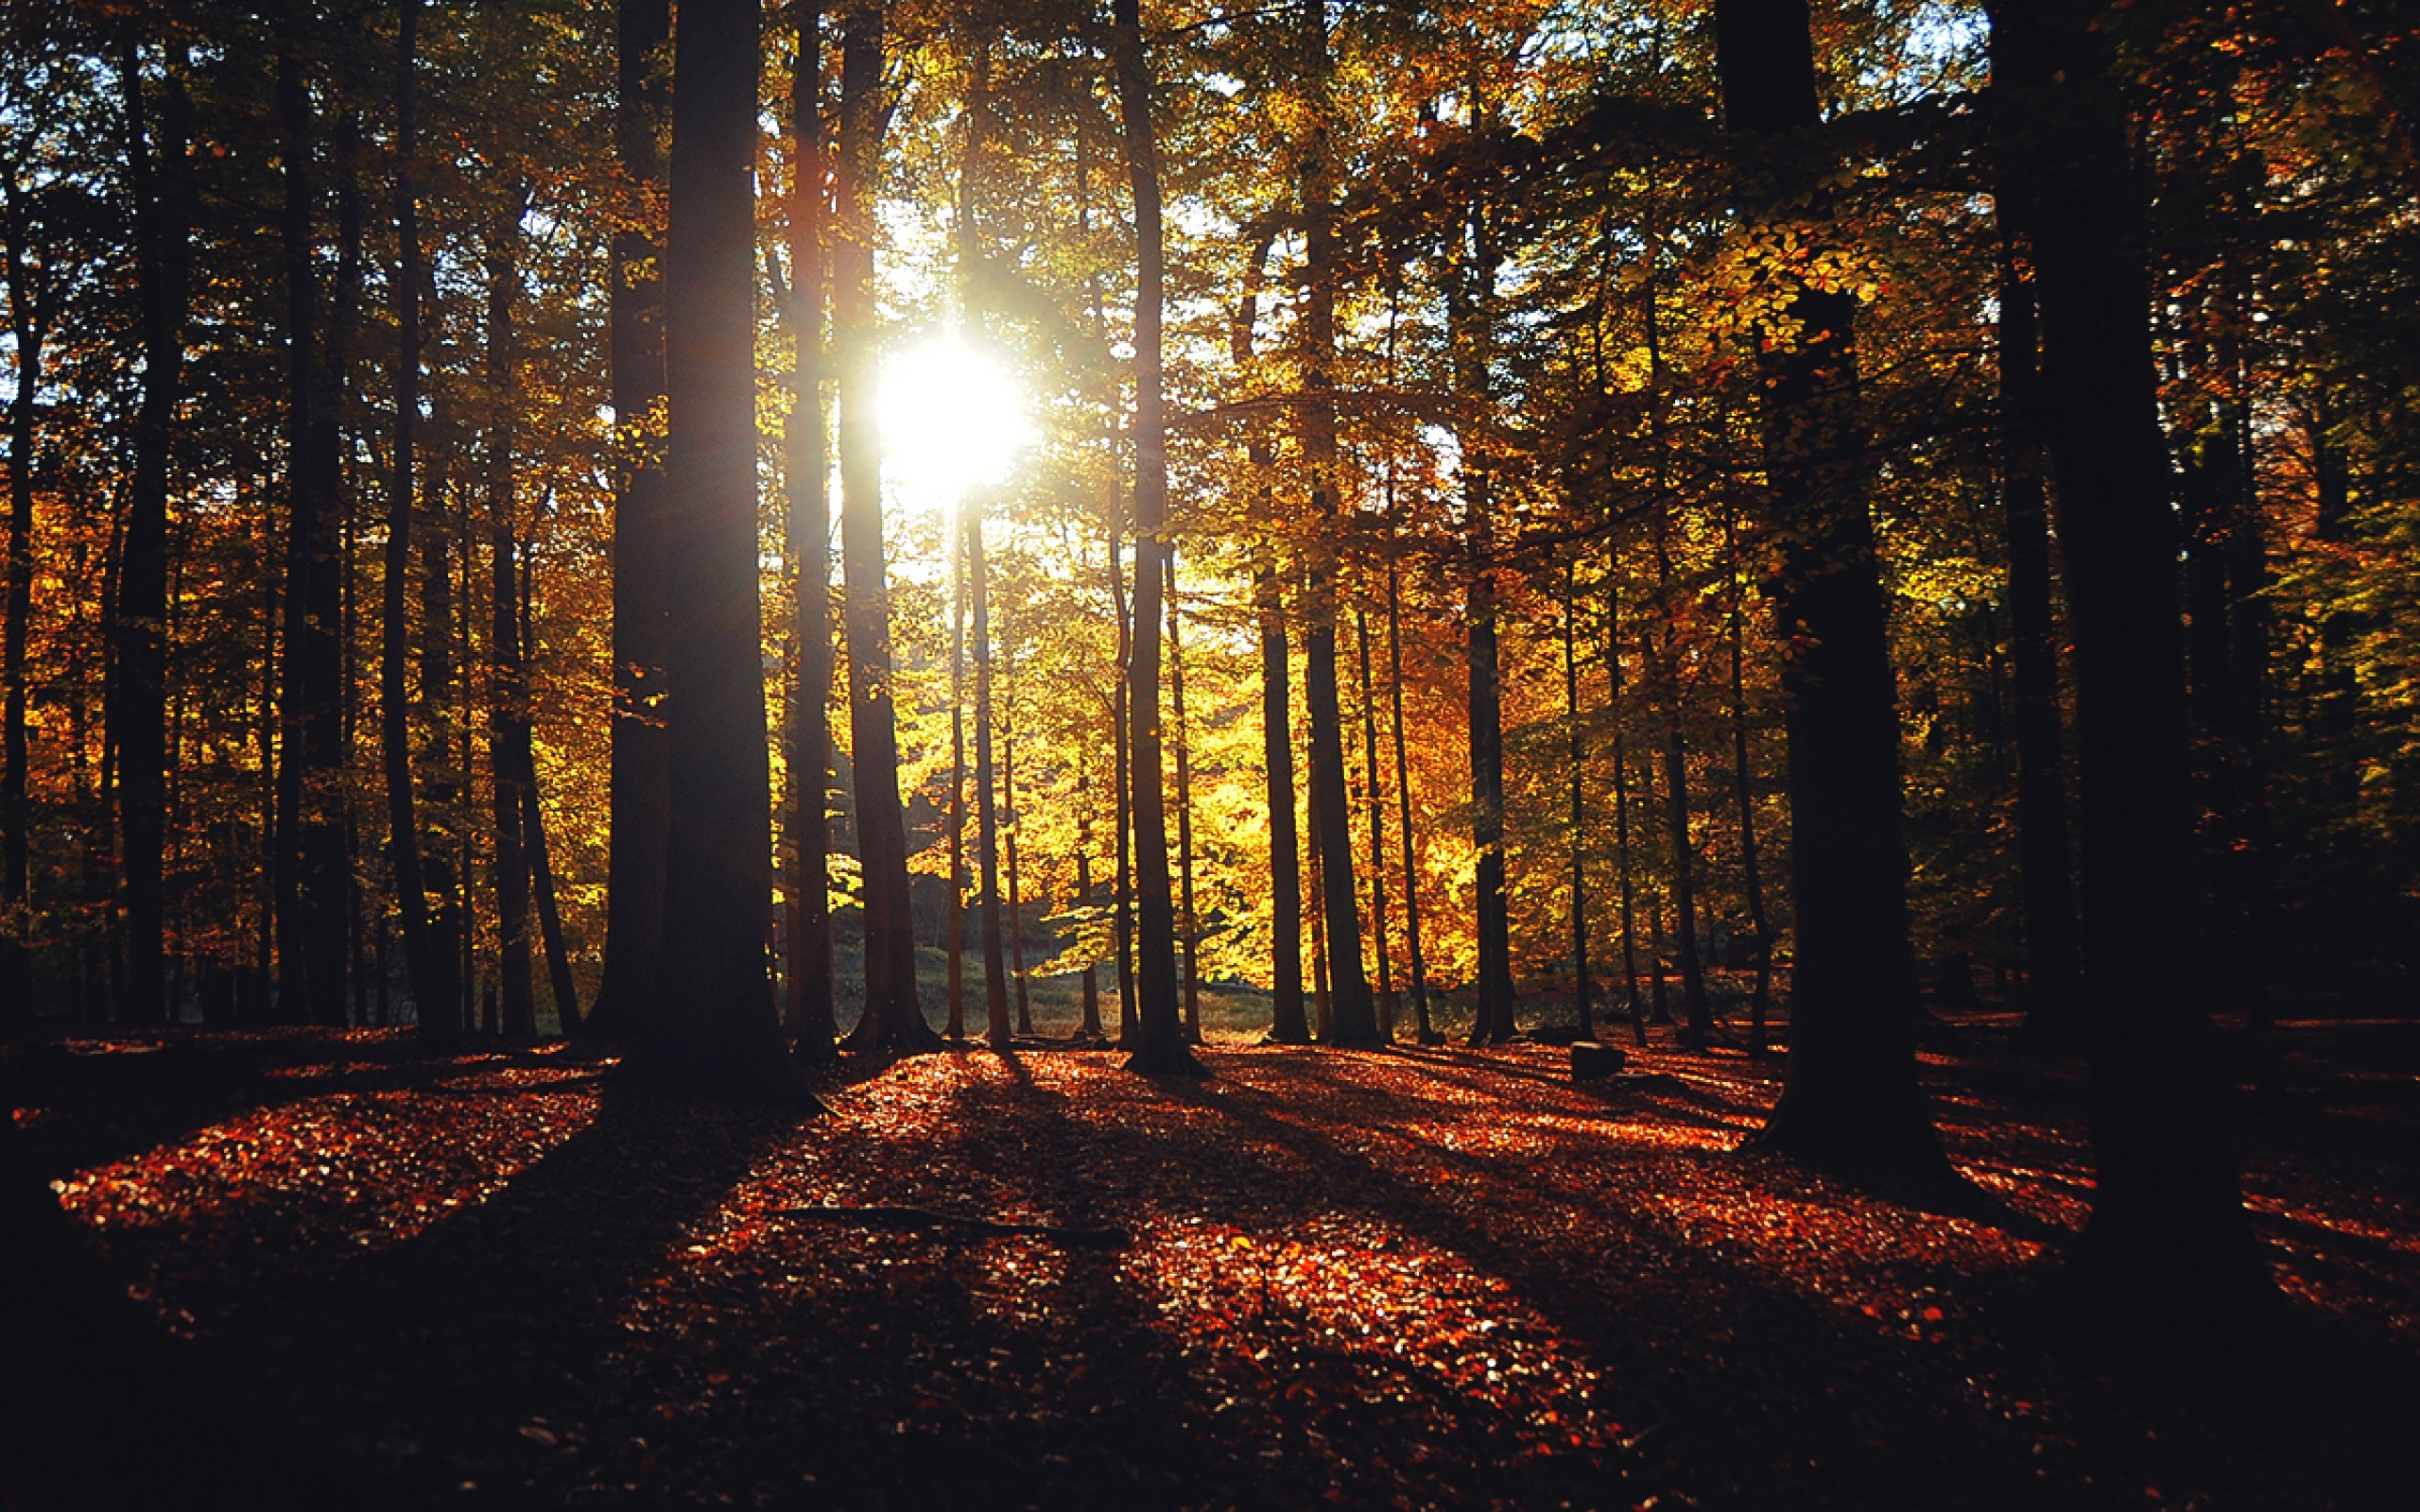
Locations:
column 1941, row 45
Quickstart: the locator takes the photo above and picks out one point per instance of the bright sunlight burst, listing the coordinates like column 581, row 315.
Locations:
column 952, row 420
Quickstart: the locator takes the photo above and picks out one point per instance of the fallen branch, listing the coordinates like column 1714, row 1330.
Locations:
column 893, row 1217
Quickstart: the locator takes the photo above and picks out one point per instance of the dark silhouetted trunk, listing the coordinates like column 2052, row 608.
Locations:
column 2168, row 1237
column 1352, row 1016
column 550, row 919
column 634, row 865
column 1744, row 792
column 1633, row 1004
column 1582, row 993
column 1158, row 1047
column 2053, row 979
column 1009, row 842
column 1377, row 800
column 893, row 1022
column 139, row 702
column 954, row 907
column 310, row 831
column 1288, row 1024
column 509, row 755
column 714, row 1030
column 1428, row 1031
column 1189, row 925
column 809, row 1015
column 1852, row 1099
column 987, row 811
column 432, row 974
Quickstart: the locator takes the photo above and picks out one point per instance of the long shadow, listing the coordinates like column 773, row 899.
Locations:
column 503, row 1306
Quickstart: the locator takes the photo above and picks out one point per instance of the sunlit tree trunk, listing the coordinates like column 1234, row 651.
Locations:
column 713, row 1030
column 987, row 812
column 1377, row 801
column 1632, row 1004
column 1160, row 1047
column 634, row 891
column 1583, row 997
column 893, row 1022
column 2167, row 1237
column 1009, row 841
column 1288, row 1024
column 1852, row 1097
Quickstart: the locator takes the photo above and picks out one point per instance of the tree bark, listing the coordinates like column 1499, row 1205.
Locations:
column 1288, row 1023
column 1377, row 801
column 635, row 841
column 996, row 1026
column 1743, row 788
column 810, row 1019
column 2053, row 979
column 714, row 1030
column 431, row 978
column 893, row 1022
column 2167, row 1238
column 1632, row 1001
column 139, row 704
column 1582, row 994
column 1427, row 1031
column 1851, row 1099
column 508, row 754
column 1159, row 1048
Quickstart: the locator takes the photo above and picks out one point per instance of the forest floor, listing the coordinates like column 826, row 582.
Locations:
column 1412, row 1279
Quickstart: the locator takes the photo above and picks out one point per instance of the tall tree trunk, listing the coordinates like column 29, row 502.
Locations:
column 1581, row 993
column 311, row 935
column 953, row 920
column 2053, row 977
column 809, row 1013
column 1159, row 1048
column 1189, row 932
column 1288, row 1024
column 1632, row 1003
column 1089, row 1029
column 714, row 1028
column 1852, row 1098
column 2168, row 1236
column 1743, row 788
column 508, row 754
column 642, row 745
column 987, row 814
column 1009, row 840
column 16, row 889
column 1353, row 1015
column 1377, row 800
column 431, row 978
column 439, row 1006
column 1428, row 1031
column 550, row 919
column 139, row 705
column 893, row 1022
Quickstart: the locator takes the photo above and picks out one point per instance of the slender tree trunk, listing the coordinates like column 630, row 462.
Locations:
column 954, row 932
column 2053, row 978
column 809, row 1013
column 1743, row 778
column 893, row 1022
column 550, row 919
column 1582, row 993
column 1633, row 1004
column 1009, row 823
column 508, row 754
column 1428, row 1032
column 1852, row 1098
column 1288, row 1025
column 987, row 814
column 431, row 977
column 715, row 1029
column 16, row 889
column 1089, row 1030
column 1121, row 743
column 1660, row 654
column 1160, row 1048
column 139, row 704
column 1353, row 1014
column 2168, row 1237
column 1378, row 835
column 1188, row 935
column 636, row 839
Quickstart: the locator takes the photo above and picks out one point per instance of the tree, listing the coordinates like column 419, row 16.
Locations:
column 2169, row 1236
column 714, row 1030
column 1852, row 1098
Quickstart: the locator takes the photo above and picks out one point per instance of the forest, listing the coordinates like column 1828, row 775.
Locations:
column 1394, row 753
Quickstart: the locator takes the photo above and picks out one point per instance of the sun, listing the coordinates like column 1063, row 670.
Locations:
column 952, row 420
